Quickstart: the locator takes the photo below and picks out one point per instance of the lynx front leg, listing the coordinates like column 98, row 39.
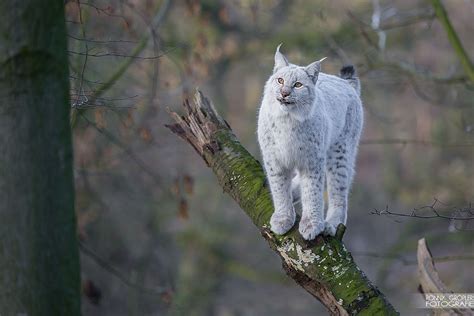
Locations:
column 312, row 219
column 284, row 215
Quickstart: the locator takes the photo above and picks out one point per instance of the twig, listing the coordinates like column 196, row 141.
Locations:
column 113, row 271
column 113, row 54
column 411, row 70
column 127, row 150
column 406, row 261
column 433, row 211
column 99, row 41
column 105, row 11
column 402, row 141
column 122, row 68
column 78, row 100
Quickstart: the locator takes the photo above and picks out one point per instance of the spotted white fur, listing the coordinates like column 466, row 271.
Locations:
column 309, row 136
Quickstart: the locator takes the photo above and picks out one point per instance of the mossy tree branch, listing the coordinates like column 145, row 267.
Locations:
column 323, row 267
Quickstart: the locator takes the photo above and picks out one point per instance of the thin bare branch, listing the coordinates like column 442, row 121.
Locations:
column 433, row 212
column 79, row 99
column 114, row 54
column 406, row 261
column 122, row 68
column 114, row 140
column 402, row 141
column 100, row 41
column 417, row 72
column 116, row 273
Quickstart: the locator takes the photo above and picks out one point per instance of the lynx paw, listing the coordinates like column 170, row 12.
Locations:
column 282, row 222
column 310, row 229
column 330, row 228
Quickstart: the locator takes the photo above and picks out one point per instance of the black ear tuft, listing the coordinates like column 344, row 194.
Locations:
column 347, row 72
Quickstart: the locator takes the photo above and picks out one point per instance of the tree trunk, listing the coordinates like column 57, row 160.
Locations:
column 323, row 267
column 39, row 262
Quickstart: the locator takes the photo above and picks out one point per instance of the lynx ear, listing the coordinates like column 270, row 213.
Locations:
column 280, row 60
column 313, row 69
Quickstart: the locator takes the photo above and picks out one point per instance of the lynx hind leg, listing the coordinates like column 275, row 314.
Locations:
column 339, row 171
column 340, row 167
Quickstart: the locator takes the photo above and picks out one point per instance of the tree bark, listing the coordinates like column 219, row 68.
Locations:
column 323, row 267
column 39, row 259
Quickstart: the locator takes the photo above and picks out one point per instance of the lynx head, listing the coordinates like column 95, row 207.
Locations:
column 292, row 86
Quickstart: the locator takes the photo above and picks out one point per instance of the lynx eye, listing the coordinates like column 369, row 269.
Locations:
column 298, row 84
column 280, row 80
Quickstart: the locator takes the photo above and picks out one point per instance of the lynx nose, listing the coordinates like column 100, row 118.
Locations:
column 285, row 93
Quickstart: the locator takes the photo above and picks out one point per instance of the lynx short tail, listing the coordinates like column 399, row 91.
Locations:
column 348, row 72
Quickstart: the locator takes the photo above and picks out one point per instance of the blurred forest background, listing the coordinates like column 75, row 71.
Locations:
column 159, row 237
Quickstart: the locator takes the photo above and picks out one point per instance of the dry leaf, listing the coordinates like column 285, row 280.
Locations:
column 145, row 134
column 188, row 183
column 175, row 187
column 183, row 209
column 91, row 291
column 99, row 118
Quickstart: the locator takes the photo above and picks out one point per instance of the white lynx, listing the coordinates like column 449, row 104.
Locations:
column 309, row 125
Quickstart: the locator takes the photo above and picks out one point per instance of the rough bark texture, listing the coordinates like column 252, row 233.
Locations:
column 39, row 260
column 323, row 266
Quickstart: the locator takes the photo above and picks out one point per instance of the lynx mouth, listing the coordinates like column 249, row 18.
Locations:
column 285, row 102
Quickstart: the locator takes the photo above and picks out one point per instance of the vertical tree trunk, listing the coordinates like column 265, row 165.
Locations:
column 39, row 264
